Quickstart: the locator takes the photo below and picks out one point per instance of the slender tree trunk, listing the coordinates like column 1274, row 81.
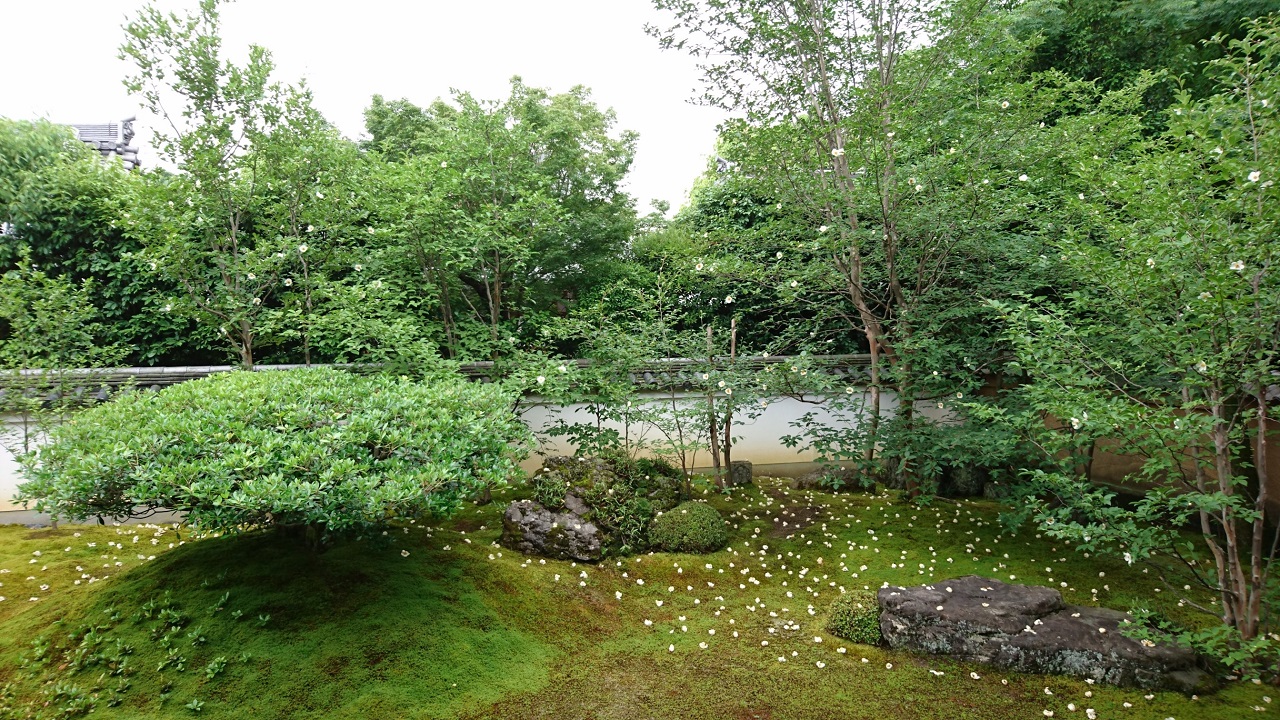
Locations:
column 711, row 419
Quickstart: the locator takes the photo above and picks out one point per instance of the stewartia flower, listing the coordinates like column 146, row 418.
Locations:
column 404, row 553
column 319, row 195
column 728, row 391
column 1005, row 105
column 444, row 163
column 541, row 379
column 359, row 268
column 823, row 229
column 779, row 256
column 698, row 266
column 251, row 276
column 257, row 301
column 1075, row 423
column 795, row 283
column 303, row 247
column 1202, row 367
column 919, row 188
column 288, row 282
column 1205, row 296
column 1023, row 177
column 1151, row 262
column 728, row 300
column 1238, row 266
column 1255, row 176
column 837, row 152
column 311, row 228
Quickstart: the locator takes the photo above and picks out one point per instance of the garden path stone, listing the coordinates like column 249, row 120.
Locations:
column 532, row 529
column 1029, row 628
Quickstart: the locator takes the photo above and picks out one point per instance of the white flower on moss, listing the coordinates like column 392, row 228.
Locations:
column 822, row 228
column 1005, row 105
column 919, row 188
column 404, row 553
column 1023, row 178
column 795, row 283
column 728, row 391
column 444, row 163
column 319, row 195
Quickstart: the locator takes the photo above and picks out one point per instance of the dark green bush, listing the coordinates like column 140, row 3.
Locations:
column 691, row 527
column 318, row 449
column 855, row 616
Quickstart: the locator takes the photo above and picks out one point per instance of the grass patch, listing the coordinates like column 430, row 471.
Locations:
column 461, row 628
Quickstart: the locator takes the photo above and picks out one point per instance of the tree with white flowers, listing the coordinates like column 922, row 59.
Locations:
column 1169, row 349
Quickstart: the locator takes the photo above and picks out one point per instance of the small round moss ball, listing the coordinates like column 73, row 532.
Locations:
column 691, row 527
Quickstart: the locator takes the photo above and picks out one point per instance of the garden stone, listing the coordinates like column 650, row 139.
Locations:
column 740, row 473
column 1029, row 629
column 963, row 481
column 822, row 479
column 532, row 529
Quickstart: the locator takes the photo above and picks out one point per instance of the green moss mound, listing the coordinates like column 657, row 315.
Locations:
column 691, row 527
column 855, row 616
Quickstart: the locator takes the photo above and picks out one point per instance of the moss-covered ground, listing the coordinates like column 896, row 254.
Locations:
column 439, row 622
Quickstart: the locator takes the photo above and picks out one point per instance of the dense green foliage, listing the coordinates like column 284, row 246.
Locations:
column 692, row 527
column 1180, row 237
column 320, row 449
column 855, row 616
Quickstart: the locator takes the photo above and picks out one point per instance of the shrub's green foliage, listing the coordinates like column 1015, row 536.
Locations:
column 317, row 448
column 855, row 616
column 691, row 527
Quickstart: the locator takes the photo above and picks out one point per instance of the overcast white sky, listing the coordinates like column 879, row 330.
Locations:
column 61, row 64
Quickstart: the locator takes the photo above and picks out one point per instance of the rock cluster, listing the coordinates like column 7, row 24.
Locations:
column 1029, row 629
column 534, row 530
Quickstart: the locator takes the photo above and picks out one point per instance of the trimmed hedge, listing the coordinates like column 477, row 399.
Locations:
column 316, row 448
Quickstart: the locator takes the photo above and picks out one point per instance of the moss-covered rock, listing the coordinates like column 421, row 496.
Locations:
column 692, row 527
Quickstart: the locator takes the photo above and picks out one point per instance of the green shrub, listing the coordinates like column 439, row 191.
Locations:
column 318, row 449
column 691, row 527
column 855, row 616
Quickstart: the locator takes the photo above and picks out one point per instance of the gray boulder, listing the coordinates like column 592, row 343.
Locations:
column 826, row 478
column 530, row 528
column 1029, row 629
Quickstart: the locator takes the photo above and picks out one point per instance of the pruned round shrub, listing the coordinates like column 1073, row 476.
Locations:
column 320, row 449
column 855, row 616
column 691, row 527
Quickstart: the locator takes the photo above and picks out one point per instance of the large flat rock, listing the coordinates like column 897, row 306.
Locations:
column 1029, row 629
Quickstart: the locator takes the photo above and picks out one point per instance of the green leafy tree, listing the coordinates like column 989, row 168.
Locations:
column 227, row 227
column 897, row 137
column 50, row 339
column 1168, row 350
column 501, row 211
